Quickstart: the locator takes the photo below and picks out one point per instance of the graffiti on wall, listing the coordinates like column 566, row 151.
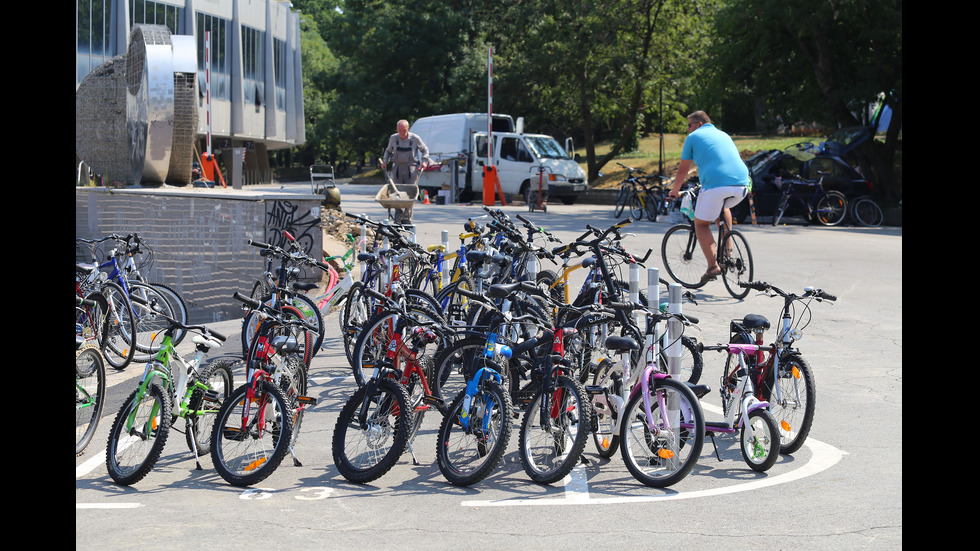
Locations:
column 287, row 216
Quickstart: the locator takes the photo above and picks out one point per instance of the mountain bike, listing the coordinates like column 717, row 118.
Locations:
column 783, row 377
column 686, row 264
column 90, row 386
column 745, row 413
column 827, row 207
column 171, row 387
column 656, row 420
column 381, row 419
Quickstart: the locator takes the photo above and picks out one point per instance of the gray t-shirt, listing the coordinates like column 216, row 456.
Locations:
column 405, row 152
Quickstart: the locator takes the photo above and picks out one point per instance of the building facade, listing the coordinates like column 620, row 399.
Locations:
column 248, row 97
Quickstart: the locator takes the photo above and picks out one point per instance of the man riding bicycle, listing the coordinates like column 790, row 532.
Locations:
column 724, row 180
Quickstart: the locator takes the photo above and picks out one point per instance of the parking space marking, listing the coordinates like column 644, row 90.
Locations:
column 824, row 457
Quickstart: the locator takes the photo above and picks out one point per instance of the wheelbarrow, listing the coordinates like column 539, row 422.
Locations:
column 398, row 196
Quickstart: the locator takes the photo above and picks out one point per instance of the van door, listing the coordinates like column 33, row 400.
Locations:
column 511, row 156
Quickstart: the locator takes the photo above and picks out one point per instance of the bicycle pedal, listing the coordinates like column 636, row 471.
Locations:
column 438, row 402
column 211, row 395
column 306, row 400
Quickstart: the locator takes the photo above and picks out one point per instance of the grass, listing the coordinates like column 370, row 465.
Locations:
column 647, row 156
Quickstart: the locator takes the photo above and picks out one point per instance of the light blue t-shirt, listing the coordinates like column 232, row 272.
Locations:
column 716, row 157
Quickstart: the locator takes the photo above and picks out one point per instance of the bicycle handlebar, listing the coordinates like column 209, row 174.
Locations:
column 764, row 287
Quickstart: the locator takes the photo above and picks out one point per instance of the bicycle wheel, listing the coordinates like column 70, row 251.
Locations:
column 655, row 201
column 178, row 306
column 90, row 321
column 662, row 452
column 120, row 333
column 866, row 212
column 551, row 446
column 138, row 435
column 761, row 450
column 794, row 406
column 682, row 256
column 311, row 314
column 832, row 208
column 251, row 434
column 89, row 394
column 736, row 264
column 202, row 409
column 372, row 344
column 692, row 362
column 636, row 207
column 621, row 201
column 293, row 385
column 608, row 381
column 454, row 365
column 468, row 455
column 365, row 453
column 150, row 326
column 358, row 309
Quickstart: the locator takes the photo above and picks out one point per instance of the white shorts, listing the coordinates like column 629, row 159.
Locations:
column 711, row 201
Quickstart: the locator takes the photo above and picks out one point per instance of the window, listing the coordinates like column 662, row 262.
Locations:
column 220, row 60
column 94, row 45
column 279, row 48
column 252, row 63
column 147, row 12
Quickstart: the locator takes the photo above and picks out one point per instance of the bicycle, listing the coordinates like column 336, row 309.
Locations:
column 90, row 386
column 119, row 293
column 381, row 419
column 253, row 429
column 744, row 412
column 827, row 207
column 171, row 387
column 783, row 377
column 656, row 420
column 641, row 198
column 686, row 264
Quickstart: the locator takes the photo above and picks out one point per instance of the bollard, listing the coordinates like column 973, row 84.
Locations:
column 653, row 300
column 634, row 281
column 674, row 330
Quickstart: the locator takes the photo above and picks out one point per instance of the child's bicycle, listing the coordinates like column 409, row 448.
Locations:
column 744, row 412
column 171, row 387
column 383, row 416
column 656, row 420
column 259, row 422
column 783, row 377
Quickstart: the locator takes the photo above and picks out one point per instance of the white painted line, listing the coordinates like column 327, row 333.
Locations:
column 824, row 457
column 107, row 505
column 90, row 464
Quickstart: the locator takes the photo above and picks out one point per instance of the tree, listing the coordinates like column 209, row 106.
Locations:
column 818, row 61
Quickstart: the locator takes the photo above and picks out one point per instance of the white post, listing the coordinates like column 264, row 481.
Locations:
column 653, row 298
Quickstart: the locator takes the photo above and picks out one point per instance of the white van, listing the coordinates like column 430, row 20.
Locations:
column 522, row 160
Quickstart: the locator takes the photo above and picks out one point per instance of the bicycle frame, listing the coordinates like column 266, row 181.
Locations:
column 742, row 395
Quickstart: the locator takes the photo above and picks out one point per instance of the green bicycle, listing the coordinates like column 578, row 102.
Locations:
column 171, row 387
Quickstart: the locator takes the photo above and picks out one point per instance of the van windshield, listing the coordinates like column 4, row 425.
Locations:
column 546, row 147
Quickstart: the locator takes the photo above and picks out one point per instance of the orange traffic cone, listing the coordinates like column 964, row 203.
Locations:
column 425, row 198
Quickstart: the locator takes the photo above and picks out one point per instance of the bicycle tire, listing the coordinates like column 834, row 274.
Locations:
column 309, row 341
column 203, row 407
column 682, row 256
column 150, row 327
column 247, row 450
column 794, row 408
column 609, row 379
column 636, row 207
column 365, row 455
column 660, row 461
column 90, row 321
column 866, row 213
column 762, row 450
column 621, row 200
column 654, row 201
column 736, row 265
column 547, row 454
column 90, row 390
column 293, row 387
column 467, row 456
column 454, row 365
column 372, row 343
column 692, row 361
column 120, row 333
column 178, row 305
column 832, row 209
column 358, row 309
column 131, row 453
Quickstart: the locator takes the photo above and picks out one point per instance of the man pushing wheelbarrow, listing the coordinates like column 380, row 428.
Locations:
column 409, row 156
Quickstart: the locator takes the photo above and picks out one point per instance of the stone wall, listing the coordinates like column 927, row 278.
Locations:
column 199, row 238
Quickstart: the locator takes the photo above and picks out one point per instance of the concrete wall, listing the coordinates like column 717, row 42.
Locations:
column 200, row 237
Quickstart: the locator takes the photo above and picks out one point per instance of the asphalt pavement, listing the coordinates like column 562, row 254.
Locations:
column 842, row 490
